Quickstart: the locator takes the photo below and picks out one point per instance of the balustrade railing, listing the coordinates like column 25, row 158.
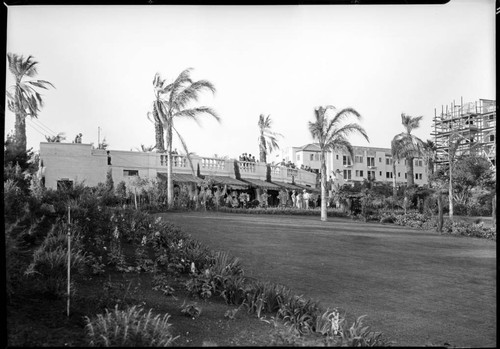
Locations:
column 177, row 161
column 247, row 166
column 212, row 163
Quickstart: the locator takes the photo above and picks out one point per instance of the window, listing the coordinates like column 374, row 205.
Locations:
column 491, row 138
column 491, row 117
column 370, row 161
column 311, row 157
column 419, row 176
column 388, row 175
column 388, row 161
column 127, row 173
column 64, row 184
column 416, row 175
column 298, row 157
column 337, row 156
column 371, row 175
column 379, row 159
column 406, row 175
column 399, row 174
column 358, row 159
column 359, row 173
column 316, row 157
column 380, row 173
column 347, row 174
column 346, row 160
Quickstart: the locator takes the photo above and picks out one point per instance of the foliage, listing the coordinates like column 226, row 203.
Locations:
column 283, row 211
column 190, row 309
column 462, row 228
column 267, row 139
column 50, row 259
column 299, row 313
column 132, row 327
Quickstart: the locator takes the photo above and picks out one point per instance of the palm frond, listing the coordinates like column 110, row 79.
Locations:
column 194, row 113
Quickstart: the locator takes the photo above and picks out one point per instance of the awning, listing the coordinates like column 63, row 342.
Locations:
column 288, row 186
column 181, row 178
column 258, row 183
column 231, row 183
column 311, row 189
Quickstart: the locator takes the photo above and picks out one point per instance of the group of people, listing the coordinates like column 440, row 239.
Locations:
column 245, row 157
column 288, row 164
column 78, row 138
column 308, row 168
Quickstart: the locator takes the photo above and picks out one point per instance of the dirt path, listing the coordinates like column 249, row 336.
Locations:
column 416, row 286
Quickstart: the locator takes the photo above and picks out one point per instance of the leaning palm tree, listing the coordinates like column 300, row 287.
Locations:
column 174, row 102
column 23, row 99
column 331, row 136
column 267, row 138
column 407, row 146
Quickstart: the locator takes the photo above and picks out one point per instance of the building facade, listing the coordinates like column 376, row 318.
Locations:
column 69, row 163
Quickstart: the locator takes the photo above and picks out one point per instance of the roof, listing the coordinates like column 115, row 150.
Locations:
column 288, row 186
column 231, row 183
column 258, row 183
column 310, row 147
column 181, row 177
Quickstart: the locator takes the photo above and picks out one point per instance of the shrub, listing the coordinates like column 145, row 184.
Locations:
column 49, row 265
column 462, row 228
column 299, row 313
column 131, row 327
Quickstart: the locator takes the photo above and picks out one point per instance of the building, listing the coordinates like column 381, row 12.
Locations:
column 68, row 163
column 371, row 163
column 473, row 123
column 308, row 155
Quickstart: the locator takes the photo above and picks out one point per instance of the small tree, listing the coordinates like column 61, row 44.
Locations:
column 109, row 180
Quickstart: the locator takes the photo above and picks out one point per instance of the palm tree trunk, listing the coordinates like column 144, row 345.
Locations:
column 323, row 187
column 394, row 188
column 20, row 131
column 409, row 172
column 170, row 183
column 160, row 145
column 262, row 149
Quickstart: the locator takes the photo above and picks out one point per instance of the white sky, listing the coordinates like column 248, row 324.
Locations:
column 278, row 60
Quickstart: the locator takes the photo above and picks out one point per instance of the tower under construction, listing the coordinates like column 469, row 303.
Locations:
column 474, row 124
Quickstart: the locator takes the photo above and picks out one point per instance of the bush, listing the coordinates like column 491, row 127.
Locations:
column 49, row 265
column 283, row 211
column 462, row 228
column 129, row 328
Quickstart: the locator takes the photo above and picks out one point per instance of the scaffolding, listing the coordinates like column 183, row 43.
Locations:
column 474, row 123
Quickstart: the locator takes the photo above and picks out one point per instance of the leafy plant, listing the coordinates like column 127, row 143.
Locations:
column 131, row 327
column 191, row 309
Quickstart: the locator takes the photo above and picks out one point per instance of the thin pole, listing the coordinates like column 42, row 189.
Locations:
column 69, row 258
column 98, row 137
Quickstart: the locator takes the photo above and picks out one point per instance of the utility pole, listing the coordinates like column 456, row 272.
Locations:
column 98, row 137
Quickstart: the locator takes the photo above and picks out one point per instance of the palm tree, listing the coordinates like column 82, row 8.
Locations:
column 407, row 146
column 154, row 117
column 57, row 138
column 23, row 99
column 173, row 102
column 429, row 152
column 146, row 149
column 331, row 136
column 267, row 138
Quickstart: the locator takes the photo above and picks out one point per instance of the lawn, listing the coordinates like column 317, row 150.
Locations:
column 416, row 286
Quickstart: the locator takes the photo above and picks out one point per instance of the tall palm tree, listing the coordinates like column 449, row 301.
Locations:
column 267, row 138
column 429, row 153
column 154, row 117
column 332, row 136
column 145, row 148
column 407, row 146
column 23, row 99
column 174, row 102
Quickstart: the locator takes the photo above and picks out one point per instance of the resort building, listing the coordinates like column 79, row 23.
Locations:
column 67, row 163
column 473, row 123
column 368, row 163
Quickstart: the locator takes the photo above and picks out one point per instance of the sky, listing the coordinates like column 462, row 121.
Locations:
column 282, row 61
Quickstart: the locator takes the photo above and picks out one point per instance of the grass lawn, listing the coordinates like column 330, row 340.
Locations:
column 416, row 286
